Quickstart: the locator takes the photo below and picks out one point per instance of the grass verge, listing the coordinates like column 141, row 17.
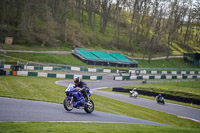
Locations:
column 163, row 63
column 69, row 59
column 45, row 89
column 154, row 98
column 188, row 89
column 45, row 127
column 35, row 47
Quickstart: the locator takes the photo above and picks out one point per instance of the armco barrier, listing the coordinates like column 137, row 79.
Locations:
column 73, row 68
column 156, row 77
column 160, row 72
column 140, row 72
column 55, row 75
column 166, row 96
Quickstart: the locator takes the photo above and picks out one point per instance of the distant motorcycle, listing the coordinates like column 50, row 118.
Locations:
column 133, row 94
column 144, row 81
column 75, row 99
column 160, row 100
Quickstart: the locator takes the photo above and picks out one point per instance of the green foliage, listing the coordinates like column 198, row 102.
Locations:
column 45, row 23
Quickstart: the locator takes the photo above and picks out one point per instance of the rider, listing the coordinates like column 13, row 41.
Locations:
column 159, row 96
column 134, row 90
column 79, row 83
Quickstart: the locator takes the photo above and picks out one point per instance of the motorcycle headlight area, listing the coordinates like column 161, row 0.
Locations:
column 69, row 94
column 91, row 92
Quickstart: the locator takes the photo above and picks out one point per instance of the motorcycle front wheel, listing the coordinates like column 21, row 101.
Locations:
column 89, row 106
column 68, row 105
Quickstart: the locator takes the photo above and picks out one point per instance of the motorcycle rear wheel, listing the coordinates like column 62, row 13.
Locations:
column 89, row 107
column 67, row 104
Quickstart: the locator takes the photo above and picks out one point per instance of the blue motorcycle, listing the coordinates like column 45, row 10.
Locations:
column 75, row 99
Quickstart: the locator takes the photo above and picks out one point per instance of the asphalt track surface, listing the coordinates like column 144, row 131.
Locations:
column 27, row 110
column 179, row 110
column 19, row 110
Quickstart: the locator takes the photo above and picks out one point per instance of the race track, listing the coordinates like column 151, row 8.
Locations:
column 184, row 111
column 27, row 110
column 19, row 110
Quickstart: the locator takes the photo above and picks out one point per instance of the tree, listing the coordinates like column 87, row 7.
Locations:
column 105, row 14
column 135, row 5
column 196, row 13
column 149, row 26
column 157, row 28
column 188, row 26
column 117, row 15
column 38, row 23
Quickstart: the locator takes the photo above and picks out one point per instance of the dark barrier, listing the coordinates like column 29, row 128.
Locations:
column 2, row 72
column 166, row 96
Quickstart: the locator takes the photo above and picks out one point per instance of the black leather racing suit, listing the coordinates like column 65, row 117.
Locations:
column 85, row 90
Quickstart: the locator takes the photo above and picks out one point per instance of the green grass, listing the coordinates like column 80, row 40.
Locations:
column 69, row 59
column 66, row 59
column 36, row 88
column 121, row 108
column 170, row 63
column 189, row 89
column 32, row 88
column 154, row 98
column 45, row 127
column 36, row 47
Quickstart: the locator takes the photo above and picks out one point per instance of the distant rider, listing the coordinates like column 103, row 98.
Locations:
column 159, row 96
column 134, row 90
column 133, row 93
column 85, row 89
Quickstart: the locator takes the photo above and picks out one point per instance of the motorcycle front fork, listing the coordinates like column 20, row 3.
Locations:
column 72, row 100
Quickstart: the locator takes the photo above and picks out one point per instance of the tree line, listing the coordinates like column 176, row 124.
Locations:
column 152, row 25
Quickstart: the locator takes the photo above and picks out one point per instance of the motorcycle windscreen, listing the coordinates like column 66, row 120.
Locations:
column 90, row 93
